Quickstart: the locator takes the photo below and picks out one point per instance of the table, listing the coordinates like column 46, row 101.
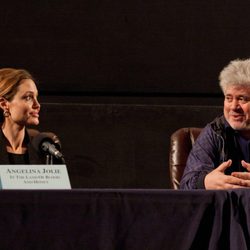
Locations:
column 118, row 219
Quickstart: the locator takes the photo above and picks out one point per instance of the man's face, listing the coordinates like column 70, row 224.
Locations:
column 237, row 107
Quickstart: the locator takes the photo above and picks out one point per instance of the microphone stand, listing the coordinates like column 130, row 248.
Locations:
column 49, row 159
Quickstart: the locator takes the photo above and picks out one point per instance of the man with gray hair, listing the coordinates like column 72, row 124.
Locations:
column 220, row 157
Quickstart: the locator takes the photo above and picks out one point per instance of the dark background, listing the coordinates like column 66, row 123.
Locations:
column 116, row 78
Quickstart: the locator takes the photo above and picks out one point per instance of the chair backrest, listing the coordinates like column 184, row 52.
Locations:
column 181, row 142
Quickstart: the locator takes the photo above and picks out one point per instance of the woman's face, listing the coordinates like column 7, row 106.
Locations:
column 24, row 107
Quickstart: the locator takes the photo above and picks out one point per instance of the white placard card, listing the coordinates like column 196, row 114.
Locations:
column 34, row 177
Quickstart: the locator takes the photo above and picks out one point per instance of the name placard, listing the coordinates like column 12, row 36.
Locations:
column 34, row 177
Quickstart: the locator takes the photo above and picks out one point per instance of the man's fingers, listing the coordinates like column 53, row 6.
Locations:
column 224, row 166
column 241, row 175
column 245, row 165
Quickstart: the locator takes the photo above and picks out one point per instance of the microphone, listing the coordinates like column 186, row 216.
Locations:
column 48, row 147
column 48, row 142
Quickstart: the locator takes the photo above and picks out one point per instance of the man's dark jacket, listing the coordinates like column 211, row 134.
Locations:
column 216, row 144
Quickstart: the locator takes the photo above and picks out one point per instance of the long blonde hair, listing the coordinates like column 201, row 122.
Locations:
column 10, row 79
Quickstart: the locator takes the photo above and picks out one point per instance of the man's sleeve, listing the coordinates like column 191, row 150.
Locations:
column 201, row 160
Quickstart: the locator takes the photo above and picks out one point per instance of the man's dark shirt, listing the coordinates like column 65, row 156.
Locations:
column 217, row 143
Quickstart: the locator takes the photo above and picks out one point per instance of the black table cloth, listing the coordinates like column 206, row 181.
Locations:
column 109, row 219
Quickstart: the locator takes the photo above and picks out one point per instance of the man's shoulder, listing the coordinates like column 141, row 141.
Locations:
column 218, row 124
column 215, row 127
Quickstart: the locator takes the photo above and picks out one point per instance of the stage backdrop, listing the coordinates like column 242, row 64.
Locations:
column 116, row 78
column 77, row 47
column 118, row 145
